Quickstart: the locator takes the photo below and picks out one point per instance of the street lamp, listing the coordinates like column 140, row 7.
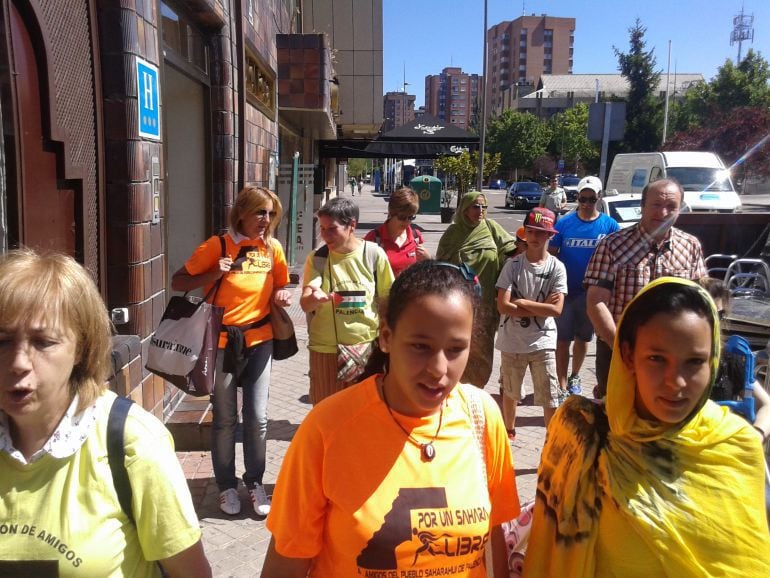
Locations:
column 483, row 105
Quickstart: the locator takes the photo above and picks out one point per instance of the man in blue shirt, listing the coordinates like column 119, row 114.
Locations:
column 576, row 238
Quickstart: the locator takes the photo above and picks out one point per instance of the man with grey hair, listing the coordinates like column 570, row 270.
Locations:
column 626, row 261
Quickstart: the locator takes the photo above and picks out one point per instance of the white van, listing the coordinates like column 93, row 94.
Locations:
column 703, row 176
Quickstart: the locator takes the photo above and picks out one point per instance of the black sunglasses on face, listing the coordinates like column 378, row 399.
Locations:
column 406, row 218
column 480, row 207
column 262, row 213
column 587, row 200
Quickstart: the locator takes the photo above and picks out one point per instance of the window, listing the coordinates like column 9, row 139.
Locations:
column 183, row 39
column 260, row 84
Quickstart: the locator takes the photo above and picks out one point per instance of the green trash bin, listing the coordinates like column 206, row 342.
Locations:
column 429, row 190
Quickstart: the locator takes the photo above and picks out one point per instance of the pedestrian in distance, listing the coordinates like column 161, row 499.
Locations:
column 62, row 509
column 408, row 472
column 360, row 186
column 252, row 267
column 554, row 198
column 624, row 262
column 353, row 185
column 342, row 281
column 402, row 243
column 530, row 294
column 658, row 480
column 483, row 245
column 577, row 235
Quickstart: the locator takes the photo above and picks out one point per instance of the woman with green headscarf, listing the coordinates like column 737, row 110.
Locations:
column 483, row 245
column 660, row 481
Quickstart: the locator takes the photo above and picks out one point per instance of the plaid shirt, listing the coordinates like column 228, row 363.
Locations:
column 625, row 261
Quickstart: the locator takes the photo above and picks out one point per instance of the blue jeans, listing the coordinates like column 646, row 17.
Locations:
column 255, row 380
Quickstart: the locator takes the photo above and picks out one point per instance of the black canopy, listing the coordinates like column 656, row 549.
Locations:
column 426, row 138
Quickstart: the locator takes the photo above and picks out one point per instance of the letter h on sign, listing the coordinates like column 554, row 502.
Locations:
column 149, row 99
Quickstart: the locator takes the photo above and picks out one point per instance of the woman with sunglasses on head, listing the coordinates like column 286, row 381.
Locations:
column 407, row 472
column 250, row 267
column 483, row 245
column 403, row 244
column 658, row 480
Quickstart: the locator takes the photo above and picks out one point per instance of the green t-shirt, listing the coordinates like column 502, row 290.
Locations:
column 67, row 509
column 353, row 320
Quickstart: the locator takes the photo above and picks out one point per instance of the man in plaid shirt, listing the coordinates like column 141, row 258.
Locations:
column 625, row 261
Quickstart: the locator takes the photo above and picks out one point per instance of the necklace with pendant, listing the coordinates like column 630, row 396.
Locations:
column 427, row 450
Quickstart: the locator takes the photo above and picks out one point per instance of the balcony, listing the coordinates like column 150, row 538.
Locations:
column 307, row 95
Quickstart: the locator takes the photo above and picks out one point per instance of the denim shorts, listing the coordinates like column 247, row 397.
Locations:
column 542, row 367
column 573, row 323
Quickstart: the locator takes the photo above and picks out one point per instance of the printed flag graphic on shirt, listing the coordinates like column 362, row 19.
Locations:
column 351, row 299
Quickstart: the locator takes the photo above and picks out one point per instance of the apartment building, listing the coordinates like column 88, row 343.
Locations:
column 522, row 50
column 453, row 96
column 398, row 110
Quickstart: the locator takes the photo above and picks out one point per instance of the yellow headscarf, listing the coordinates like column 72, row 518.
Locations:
column 693, row 493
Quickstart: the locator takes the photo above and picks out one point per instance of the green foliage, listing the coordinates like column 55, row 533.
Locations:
column 463, row 168
column 570, row 138
column 358, row 167
column 732, row 87
column 644, row 114
column 518, row 137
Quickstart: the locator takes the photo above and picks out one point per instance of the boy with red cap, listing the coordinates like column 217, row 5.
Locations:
column 530, row 294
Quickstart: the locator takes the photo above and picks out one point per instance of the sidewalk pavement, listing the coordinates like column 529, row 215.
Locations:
column 236, row 545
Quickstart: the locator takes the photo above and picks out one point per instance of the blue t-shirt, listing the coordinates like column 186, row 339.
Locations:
column 576, row 240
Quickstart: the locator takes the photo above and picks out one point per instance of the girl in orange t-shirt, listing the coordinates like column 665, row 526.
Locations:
column 407, row 473
column 253, row 270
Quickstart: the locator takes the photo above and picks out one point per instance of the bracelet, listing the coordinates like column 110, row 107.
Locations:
column 762, row 432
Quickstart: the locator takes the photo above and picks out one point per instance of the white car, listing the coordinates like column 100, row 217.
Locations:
column 625, row 208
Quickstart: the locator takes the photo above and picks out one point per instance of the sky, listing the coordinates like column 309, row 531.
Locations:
column 421, row 37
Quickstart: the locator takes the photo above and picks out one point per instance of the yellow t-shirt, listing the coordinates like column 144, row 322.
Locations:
column 67, row 509
column 354, row 494
column 247, row 289
column 354, row 319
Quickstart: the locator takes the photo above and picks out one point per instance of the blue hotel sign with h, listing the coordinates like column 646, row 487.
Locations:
column 148, row 93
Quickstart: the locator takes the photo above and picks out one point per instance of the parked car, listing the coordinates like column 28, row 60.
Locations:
column 497, row 184
column 570, row 185
column 523, row 195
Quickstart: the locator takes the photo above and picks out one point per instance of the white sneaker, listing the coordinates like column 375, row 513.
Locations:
column 259, row 500
column 229, row 502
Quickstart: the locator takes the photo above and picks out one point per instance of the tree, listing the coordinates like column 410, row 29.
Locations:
column 358, row 167
column 519, row 138
column 644, row 115
column 570, row 137
column 745, row 85
column 463, row 168
column 732, row 135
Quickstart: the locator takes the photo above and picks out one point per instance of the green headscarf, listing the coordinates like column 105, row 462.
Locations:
column 482, row 246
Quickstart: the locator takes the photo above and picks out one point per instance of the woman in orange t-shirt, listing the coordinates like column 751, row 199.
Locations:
column 408, row 472
column 253, row 272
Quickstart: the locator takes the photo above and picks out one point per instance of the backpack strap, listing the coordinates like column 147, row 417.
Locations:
column 116, row 453
column 372, row 259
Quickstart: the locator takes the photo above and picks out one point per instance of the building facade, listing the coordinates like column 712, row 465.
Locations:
column 453, row 96
column 398, row 110
column 521, row 50
column 130, row 127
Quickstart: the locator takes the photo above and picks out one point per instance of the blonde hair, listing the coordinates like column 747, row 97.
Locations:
column 249, row 201
column 56, row 290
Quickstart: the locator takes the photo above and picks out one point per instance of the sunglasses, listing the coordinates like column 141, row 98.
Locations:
column 464, row 270
column 406, row 218
column 587, row 200
column 479, row 207
column 263, row 213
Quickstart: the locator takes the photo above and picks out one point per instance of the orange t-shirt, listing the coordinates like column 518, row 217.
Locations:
column 247, row 289
column 355, row 495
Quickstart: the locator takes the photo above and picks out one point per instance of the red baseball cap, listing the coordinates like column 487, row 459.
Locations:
column 541, row 219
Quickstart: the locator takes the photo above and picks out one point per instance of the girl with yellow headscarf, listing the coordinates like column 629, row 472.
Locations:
column 660, row 481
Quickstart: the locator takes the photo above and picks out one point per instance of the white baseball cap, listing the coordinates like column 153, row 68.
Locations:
column 592, row 183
